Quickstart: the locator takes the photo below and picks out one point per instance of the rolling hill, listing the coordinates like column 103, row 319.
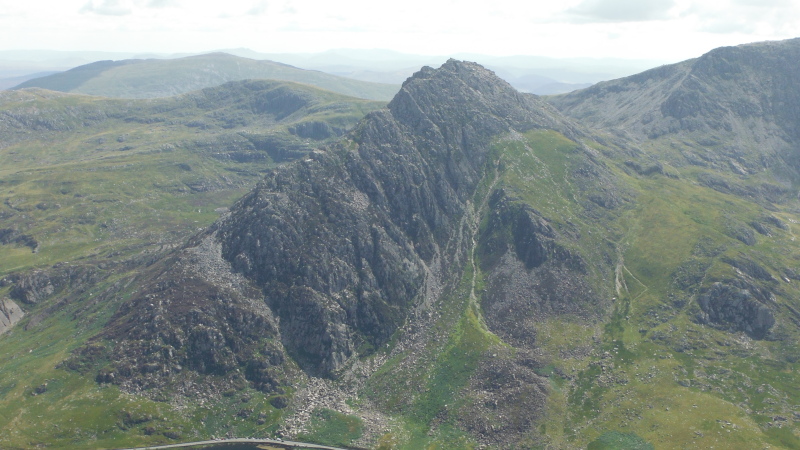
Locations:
column 150, row 78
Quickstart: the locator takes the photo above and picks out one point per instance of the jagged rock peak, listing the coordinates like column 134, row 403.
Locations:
column 465, row 93
column 456, row 80
column 328, row 256
column 375, row 213
column 457, row 69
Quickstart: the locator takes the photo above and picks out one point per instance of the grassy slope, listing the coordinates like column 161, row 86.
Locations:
column 665, row 378
column 95, row 188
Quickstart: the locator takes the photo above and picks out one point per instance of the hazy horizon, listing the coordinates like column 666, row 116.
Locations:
column 536, row 74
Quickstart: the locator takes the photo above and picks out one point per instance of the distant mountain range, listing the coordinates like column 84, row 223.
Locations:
column 527, row 73
column 149, row 78
column 538, row 75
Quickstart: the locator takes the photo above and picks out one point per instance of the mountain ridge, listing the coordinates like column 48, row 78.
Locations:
column 426, row 110
column 733, row 91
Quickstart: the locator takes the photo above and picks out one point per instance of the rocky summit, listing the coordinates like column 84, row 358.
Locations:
column 468, row 267
column 335, row 252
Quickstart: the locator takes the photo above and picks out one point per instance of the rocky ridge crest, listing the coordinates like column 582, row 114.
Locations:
column 327, row 256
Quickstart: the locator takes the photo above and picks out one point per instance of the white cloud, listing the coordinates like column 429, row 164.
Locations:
column 258, row 9
column 764, row 3
column 620, row 10
column 107, row 8
column 669, row 29
column 769, row 19
column 163, row 3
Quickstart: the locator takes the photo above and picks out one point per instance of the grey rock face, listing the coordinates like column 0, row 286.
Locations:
column 326, row 257
column 507, row 399
column 737, row 307
column 531, row 274
column 191, row 313
column 32, row 288
column 10, row 314
column 340, row 241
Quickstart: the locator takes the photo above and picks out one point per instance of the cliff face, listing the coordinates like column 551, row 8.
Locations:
column 344, row 242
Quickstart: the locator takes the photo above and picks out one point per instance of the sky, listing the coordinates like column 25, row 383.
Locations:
column 669, row 30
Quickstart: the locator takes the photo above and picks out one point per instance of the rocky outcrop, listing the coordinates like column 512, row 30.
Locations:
column 531, row 273
column 32, row 287
column 192, row 315
column 737, row 306
column 316, row 130
column 35, row 286
column 10, row 314
column 505, row 399
column 12, row 236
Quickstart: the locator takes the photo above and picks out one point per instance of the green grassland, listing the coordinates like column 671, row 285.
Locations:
column 333, row 428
